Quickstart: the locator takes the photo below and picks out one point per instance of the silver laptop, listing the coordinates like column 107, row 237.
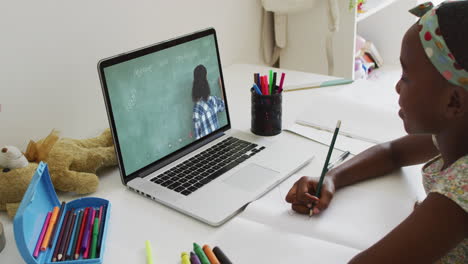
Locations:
column 170, row 122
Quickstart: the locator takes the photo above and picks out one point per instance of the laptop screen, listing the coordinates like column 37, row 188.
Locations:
column 163, row 98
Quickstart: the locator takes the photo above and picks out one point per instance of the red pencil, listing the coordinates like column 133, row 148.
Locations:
column 80, row 236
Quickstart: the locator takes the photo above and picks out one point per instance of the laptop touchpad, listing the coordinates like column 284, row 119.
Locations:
column 251, row 177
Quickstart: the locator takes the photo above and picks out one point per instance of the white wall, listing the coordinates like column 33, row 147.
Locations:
column 49, row 50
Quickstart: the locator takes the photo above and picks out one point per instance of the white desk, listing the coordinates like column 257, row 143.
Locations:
column 266, row 232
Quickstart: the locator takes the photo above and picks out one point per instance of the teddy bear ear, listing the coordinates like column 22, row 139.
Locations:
column 31, row 151
column 46, row 145
column 39, row 151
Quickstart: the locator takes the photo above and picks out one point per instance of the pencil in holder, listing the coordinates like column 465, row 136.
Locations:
column 266, row 113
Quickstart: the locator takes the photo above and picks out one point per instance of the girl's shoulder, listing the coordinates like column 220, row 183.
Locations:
column 451, row 182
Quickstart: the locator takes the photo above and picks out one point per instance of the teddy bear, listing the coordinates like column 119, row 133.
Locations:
column 72, row 165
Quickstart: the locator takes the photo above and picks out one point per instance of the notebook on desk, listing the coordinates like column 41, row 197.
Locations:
column 175, row 144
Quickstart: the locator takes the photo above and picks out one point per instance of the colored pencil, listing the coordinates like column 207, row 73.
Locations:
column 67, row 234
column 48, row 235
column 42, row 234
column 57, row 219
column 72, row 248
column 101, row 229
column 94, row 237
column 75, row 230
column 88, row 233
column 313, row 85
column 60, row 237
column 100, row 213
column 80, row 236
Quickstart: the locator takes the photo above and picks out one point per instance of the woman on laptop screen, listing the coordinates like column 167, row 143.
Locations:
column 207, row 106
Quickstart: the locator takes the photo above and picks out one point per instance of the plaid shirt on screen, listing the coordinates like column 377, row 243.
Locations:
column 205, row 118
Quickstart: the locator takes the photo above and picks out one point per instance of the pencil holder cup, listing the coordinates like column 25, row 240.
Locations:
column 266, row 113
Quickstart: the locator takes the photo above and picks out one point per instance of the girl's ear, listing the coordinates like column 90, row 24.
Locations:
column 458, row 104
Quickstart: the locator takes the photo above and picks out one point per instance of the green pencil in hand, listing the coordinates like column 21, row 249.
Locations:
column 325, row 165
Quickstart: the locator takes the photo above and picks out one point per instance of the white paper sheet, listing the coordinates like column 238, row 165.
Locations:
column 342, row 143
column 360, row 121
column 244, row 241
column 358, row 216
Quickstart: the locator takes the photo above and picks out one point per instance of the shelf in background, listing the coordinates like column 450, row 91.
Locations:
column 373, row 6
column 380, row 84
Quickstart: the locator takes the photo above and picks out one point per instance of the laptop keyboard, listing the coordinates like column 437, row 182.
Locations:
column 206, row 166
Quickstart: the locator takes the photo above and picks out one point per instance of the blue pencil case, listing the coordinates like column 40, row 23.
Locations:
column 40, row 199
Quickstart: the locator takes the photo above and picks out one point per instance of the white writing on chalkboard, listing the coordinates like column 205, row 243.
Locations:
column 140, row 71
column 132, row 102
column 189, row 55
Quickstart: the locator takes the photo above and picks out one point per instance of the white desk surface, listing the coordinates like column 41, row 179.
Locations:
column 266, row 231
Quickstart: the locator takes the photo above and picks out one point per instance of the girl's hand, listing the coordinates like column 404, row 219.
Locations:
column 302, row 195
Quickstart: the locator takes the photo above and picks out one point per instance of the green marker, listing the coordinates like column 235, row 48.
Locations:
column 95, row 237
column 271, row 82
column 201, row 255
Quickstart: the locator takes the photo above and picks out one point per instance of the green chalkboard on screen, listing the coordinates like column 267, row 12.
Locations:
column 151, row 100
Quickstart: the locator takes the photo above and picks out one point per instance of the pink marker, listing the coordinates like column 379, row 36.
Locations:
column 41, row 236
column 280, row 89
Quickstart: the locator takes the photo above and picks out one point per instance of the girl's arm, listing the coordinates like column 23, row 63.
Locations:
column 384, row 158
column 376, row 161
column 435, row 227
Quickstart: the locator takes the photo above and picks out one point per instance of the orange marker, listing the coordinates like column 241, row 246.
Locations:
column 211, row 256
column 47, row 237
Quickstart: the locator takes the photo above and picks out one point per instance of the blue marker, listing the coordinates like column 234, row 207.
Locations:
column 257, row 89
